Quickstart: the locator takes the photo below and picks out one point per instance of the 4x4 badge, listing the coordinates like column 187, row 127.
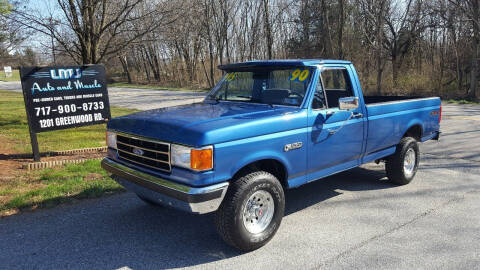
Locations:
column 292, row 146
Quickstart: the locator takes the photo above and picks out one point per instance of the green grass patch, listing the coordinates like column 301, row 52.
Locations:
column 15, row 76
column 14, row 126
column 50, row 187
column 153, row 87
column 461, row 101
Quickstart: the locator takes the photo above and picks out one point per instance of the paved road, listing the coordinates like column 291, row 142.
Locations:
column 142, row 99
column 352, row 220
column 15, row 86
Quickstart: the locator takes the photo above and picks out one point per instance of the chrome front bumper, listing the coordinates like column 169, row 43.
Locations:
column 195, row 200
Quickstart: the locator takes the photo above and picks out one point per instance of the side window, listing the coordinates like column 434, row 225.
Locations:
column 337, row 85
column 319, row 97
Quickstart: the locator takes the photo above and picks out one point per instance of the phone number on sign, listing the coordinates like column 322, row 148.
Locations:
column 69, row 108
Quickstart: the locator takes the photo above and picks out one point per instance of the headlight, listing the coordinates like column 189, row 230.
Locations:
column 198, row 159
column 111, row 140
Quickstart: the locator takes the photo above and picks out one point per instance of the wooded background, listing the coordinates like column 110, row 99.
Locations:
column 421, row 47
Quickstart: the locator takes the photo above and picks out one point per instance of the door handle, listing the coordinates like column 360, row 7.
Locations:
column 357, row 115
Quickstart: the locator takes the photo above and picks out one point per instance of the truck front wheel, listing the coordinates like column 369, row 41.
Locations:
column 402, row 166
column 251, row 211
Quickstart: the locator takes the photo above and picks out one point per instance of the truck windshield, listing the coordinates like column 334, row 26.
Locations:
column 267, row 86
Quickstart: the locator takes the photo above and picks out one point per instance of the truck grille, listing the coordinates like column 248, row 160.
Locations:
column 144, row 152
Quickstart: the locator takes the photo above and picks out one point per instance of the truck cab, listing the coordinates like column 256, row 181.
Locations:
column 265, row 127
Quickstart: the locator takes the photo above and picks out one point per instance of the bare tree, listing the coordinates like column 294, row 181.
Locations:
column 471, row 10
column 10, row 35
column 373, row 13
column 89, row 30
column 432, row 46
column 268, row 28
column 404, row 27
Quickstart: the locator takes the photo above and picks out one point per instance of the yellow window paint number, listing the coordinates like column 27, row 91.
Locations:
column 231, row 76
column 299, row 75
column 303, row 75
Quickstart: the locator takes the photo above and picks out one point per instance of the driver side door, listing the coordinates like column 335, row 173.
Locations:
column 335, row 137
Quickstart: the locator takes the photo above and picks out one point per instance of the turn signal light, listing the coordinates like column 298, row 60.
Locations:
column 201, row 159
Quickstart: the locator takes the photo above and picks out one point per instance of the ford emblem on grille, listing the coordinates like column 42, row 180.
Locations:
column 138, row 151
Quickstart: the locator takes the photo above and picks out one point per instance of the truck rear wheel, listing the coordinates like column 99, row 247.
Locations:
column 402, row 166
column 251, row 211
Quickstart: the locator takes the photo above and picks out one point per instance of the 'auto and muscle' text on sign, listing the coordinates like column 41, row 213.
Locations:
column 65, row 97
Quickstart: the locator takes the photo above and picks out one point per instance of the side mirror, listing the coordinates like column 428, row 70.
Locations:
column 348, row 103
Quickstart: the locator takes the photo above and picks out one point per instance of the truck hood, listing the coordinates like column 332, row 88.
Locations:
column 209, row 123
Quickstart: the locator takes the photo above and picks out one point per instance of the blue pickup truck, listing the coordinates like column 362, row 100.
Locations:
column 267, row 126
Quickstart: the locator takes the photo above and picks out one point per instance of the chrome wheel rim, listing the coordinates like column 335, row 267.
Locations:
column 258, row 211
column 409, row 162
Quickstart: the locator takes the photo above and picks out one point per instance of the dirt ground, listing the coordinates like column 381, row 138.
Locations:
column 11, row 165
column 12, row 171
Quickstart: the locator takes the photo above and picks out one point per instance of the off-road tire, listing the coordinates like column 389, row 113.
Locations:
column 229, row 217
column 394, row 164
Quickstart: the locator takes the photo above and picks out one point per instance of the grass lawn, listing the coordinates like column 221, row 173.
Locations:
column 152, row 87
column 50, row 187
column 13, row 125
column 15, row 76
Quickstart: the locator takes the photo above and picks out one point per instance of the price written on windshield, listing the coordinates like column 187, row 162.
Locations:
column 69, row 108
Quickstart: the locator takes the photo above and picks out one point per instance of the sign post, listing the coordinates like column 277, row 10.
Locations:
column 63, row 97
column 33, row 136
column 8, row 71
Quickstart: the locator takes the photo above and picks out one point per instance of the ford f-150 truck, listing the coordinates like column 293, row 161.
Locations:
column 267, row 126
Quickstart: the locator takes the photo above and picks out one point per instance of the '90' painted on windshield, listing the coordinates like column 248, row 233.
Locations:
column 299, row 75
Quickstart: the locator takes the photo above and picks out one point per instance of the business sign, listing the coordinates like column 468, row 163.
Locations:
column 64, row 97
column 8, row 71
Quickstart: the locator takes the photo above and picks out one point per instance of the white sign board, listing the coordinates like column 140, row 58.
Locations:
column 8, row 71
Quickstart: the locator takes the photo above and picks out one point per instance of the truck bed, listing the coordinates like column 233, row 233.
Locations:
column 390, row 116
column 383, row 99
